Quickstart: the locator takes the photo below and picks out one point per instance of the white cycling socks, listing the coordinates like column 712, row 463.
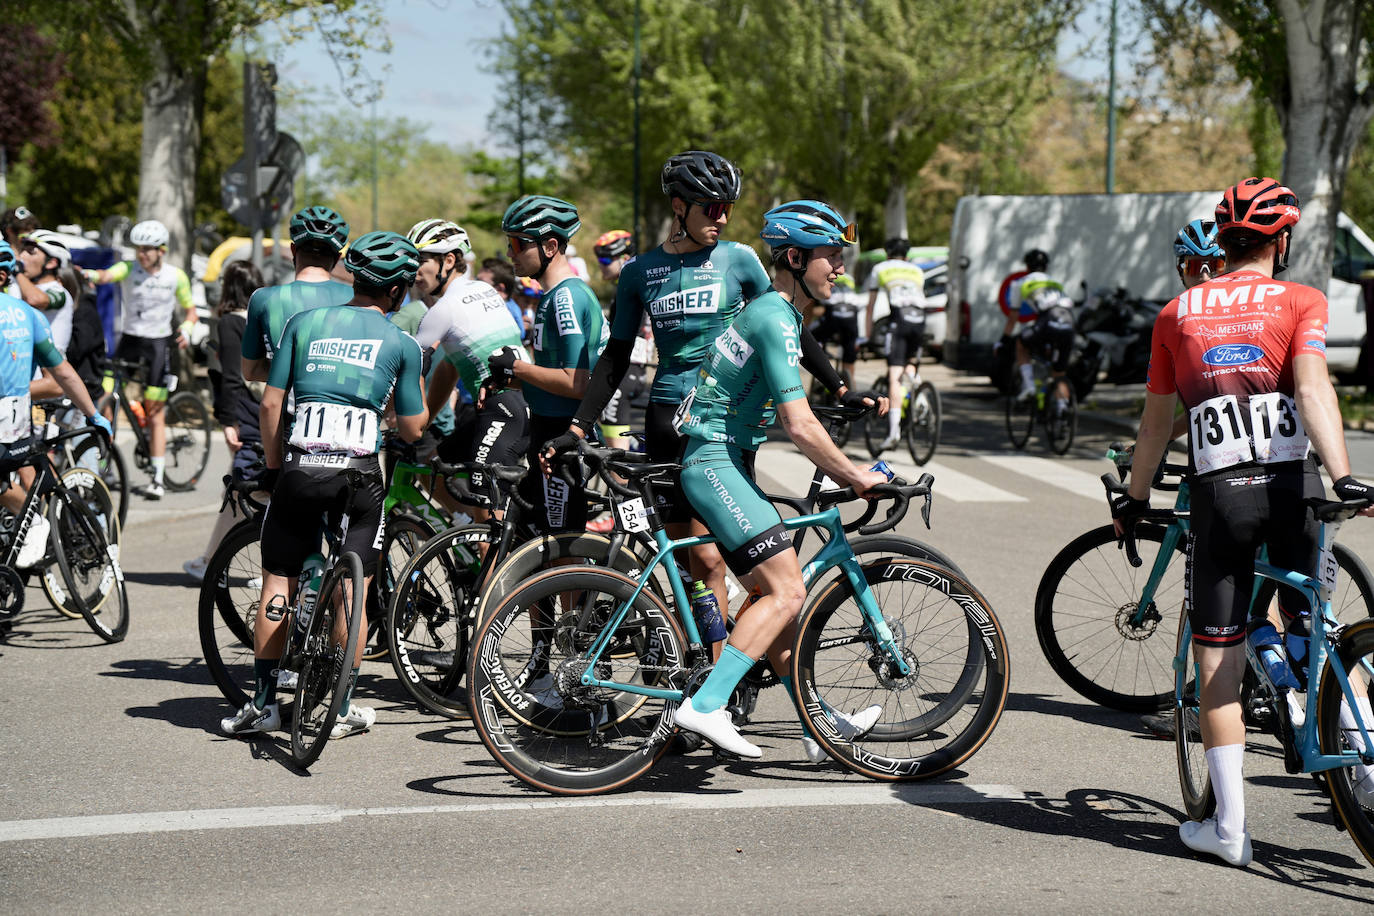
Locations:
column 159, row 465
column 1224, row 765
column 1027, row 376
column 894, row 418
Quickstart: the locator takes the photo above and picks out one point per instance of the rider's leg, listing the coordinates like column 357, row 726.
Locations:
column 1220, row 670
column 1024, row 367
column 154, row 402
column 706, row 564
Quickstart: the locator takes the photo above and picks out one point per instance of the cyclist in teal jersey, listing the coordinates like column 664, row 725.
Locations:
column 751, row 375
column 318, row 237
column 568, row 336
column 691, row 287
column 466, row 323
column 344, row 363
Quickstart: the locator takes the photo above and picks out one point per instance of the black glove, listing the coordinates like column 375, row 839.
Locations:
column 502, row 365
column 1128, row 509
column 1350, row 488
column 426, row 362
column 267, row 480
column 852, row 398
column 561, row 445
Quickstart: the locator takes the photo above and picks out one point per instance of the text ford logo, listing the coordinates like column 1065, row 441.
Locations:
column 1232, row 355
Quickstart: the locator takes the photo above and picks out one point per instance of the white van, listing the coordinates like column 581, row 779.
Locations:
column 1106, row 241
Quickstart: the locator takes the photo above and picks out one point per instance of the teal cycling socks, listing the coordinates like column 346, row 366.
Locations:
column 348, row 693
column 720, row 683
column 265, row 674
column 786, row 682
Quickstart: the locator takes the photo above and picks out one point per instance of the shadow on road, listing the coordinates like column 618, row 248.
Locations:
column 1090, row 713
column 178, row 579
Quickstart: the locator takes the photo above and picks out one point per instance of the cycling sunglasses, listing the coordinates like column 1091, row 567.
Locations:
column 715, row 209
column 603, row 260
column 519, row 243
column 1196, row 267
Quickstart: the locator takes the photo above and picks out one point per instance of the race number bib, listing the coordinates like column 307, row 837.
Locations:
column 904, row 295
column 16, row 418
column 1220, row 438
column 323, row 427
column 634, row 517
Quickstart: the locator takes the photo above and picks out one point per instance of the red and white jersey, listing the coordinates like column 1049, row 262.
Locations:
column 1227, row 347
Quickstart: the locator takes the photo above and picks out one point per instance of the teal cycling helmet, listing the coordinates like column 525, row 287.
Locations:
column 383, row 259
column 8, row 263
column 538, row 216
column 320, row 224
column 805, row 224
column 1198, row 239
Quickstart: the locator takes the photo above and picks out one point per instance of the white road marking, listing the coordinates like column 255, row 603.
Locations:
column 952, row 484
column 1054, row 473
column 790, row 472
column 296, row 815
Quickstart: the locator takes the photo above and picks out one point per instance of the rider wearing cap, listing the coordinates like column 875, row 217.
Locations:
column 1246, row 355
column 345, row 364
column 750, row 374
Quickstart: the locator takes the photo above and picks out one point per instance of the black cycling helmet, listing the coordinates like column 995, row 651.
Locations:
column 319, row 224
column 383, row 259
column 698, row 176
column 1037, row 259
column 897, row 247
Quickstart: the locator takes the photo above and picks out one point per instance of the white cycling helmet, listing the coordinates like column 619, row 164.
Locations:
column 50, row 245
column 440, row 236
column 150, row 234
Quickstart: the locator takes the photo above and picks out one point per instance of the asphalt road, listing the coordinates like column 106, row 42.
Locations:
column 118, row 793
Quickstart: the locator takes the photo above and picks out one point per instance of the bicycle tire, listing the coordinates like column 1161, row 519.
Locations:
column 923, row 425
column 325, row 666
column 109, row 463
column 429, row 618
column 91, row 490
column 406, row 534
column 228, row 611
column 1356, row 653
column 1020, row 420
column 1194, row 780
column 875, row 427
column 189, row 434
column 1061, row 425
column 90, row 568
column 960, row 672
column 578, row 741
column 1085, row 632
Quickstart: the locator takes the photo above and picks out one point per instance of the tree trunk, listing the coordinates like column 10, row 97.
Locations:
column 173, row 101
column 894, row 209
column 1323, row 119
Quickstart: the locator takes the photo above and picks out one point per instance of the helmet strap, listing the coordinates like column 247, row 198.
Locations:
column 799, row 273
column 544, row 261
column 441, row 279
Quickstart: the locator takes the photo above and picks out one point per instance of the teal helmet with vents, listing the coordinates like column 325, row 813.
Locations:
column 806, row 224
column 320, row 224
column 539, row 216
column 383, row 259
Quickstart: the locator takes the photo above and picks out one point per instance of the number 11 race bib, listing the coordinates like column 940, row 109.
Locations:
column 322, row 427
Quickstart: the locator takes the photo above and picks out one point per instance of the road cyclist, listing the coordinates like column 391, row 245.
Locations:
column 47, row 284
column 343, row 363
column 1245, row 353
column 904, row 285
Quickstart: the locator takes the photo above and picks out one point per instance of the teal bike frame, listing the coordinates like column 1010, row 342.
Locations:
column 834, row 553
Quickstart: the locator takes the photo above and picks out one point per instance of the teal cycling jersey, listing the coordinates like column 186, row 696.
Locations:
column 751, row 367
column 25, row 334
column 270, row 308
column 569, row 333
column 343, row 362
column 690, row 299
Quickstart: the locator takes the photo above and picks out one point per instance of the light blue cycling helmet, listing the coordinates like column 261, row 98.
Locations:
column 805, row 224
column 8, row 262
column 1198, row 239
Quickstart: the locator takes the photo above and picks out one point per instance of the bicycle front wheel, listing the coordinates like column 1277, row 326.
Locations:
column 101, row 456
column 1338, row 732
column 1020, row 420
column 531, row 709
column 326, row 659
column 937, row 714
column 189, row 434
column 1061, row 420
column 1194, row 780
column 89, row 565
column 90, row 489
column 1092, row 629
column 923, row 426
column 405, row 535
column 228, row 611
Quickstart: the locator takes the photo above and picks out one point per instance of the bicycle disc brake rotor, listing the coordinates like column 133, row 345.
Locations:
column 886, row 670
column 1131, row 631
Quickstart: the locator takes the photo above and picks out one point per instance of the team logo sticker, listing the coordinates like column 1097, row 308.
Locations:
column 1233, row 355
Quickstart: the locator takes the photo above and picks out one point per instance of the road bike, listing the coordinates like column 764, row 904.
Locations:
column 1053, row 404
column 578, row 698
column 97, row 453
column 190, row 430
column 1107, row 628
column 920, row 412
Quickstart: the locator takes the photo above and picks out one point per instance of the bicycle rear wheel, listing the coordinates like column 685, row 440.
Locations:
column 189, row 434
column 875, row 427
column 1356, row 653
column 101, row 456
column 405, row 535
column 934, row 717
column 923, row 426
column 326, row 659
column 90, row 489
column 1193, row 777
column 1061, row 421
column 529, row 705
column 228, row 611
column 1084, row 619
column 89, row 565
column 1020, row 420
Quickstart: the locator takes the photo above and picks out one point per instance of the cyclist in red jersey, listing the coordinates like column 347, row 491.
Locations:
column 1246, row 355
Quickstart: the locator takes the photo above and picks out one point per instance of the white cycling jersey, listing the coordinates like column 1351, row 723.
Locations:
column 470, row 322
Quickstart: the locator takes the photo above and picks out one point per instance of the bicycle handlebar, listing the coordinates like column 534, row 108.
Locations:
column 898, row 490
column 1121, row 454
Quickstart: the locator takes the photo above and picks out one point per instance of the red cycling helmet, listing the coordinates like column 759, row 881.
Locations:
column 1258, row 205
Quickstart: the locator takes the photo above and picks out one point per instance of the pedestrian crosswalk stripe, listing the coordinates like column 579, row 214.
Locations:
column 785, row 470
column 1053, row 473
column 952, row 484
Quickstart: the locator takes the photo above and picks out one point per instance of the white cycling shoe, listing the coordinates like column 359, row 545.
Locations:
column 849, row 727
column 1202, row 836
column 716, row 727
